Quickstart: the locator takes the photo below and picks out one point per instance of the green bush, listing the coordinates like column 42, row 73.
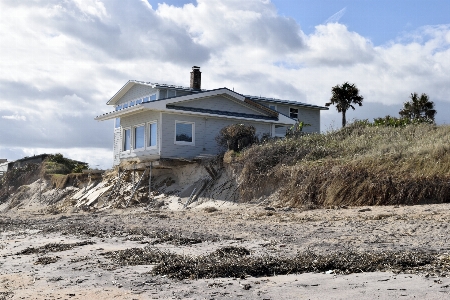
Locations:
column 56, row 168
column 399, row 122
column 297, row 129
column 58, row 164
column 236, row 137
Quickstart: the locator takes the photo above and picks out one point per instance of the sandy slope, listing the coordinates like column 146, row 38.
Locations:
column 83, row 272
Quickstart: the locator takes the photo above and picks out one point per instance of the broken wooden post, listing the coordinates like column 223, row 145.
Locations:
column 135, row 188
column 150, row 180
column 134, row 173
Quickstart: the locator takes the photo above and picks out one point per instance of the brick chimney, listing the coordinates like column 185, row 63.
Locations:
column 196, row 78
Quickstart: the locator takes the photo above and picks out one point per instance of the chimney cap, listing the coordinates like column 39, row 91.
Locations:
column 195, row 68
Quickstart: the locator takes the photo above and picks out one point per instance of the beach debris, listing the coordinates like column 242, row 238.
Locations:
column 210, row 209
column 138, row 256
column 237, row 263
column 53, row 247
column 45, row 260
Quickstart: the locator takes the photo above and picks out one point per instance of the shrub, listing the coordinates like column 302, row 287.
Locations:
column 236, row 137
column 58, row 164
column 399, row 122
column 297, row 129
column 360, row 164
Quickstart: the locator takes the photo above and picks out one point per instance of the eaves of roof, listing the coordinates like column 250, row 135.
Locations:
column 222, row 113
column 131, row 83
column 279, row 101
column 120, row 112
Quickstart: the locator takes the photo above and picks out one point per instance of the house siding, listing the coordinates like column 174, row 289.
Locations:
column 117, row 145
column 206, row 130
column 219, row 103
column 129, row 122
column 307, row 115
column 137, row 92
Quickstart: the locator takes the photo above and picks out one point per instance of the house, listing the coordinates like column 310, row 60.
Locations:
column 3, row 166
column 159, row 121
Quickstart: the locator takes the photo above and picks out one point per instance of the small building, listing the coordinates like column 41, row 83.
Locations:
column 159, row 121
column 3, row 166
column 9, row 165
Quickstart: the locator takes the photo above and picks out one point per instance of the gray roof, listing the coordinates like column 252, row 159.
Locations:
column 222, row 113
column 163, row 85
column 289, row 102
column 256, row 98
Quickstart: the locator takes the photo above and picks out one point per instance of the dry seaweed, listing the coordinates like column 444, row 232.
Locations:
column 45, row 260
column 238, row 266
column 238, row 263
column 53, row 247
column 138, row 256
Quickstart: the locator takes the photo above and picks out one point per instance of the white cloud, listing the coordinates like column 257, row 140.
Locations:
column 63, row 60
column 15, row 117
column 337, row 16
column 94, row 8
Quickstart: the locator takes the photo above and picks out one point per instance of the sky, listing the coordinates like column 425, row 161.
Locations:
column 62, row 60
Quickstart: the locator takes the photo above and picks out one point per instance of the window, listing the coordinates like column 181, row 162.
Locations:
column 146, row 99
column 280, row 131
column 293, row 113
column 125, row 105
column 126, row 139
column 171, row 93
column 274, row 107
column 117, row 123
column 153, row 97
column 132, row 103
column 152, row 134
column 139, row 137
column 118, row 107
column 184, row 133
column 139, row 101
column 162, row 94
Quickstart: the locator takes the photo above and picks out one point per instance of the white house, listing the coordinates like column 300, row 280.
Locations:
column 159, row 121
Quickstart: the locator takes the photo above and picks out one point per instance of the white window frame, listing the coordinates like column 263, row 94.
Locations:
column 174, row 91
column 298, row 112
column 147, row 136
column 182, row 142
column 275, row 130
column 123, row 139
column 134, row 137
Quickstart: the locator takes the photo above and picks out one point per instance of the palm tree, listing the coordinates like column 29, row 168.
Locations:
column 419, row 108
column 343, row 96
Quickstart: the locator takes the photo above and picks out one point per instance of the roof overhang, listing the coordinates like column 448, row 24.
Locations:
column 120, row 113
column 125, row 89
column 164, row 105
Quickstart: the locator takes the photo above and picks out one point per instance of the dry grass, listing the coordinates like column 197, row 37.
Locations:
column 358, row 165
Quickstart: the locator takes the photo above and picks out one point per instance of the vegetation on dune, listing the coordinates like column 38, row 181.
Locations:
column 361, row 164
column 419, row 108
column 236, row 137
column 58, row 164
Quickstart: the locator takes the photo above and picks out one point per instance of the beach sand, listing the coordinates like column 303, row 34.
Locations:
column 84, row 272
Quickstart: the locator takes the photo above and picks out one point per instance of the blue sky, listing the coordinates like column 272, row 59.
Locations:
column 63, row 60
column 378, row 20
